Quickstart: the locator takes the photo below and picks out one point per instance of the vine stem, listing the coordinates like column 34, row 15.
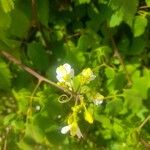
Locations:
column 29, row 111
column 144, row 122
column 5, row 141
column 109, row 97
column 37, row 23
column 34, row 13
column 144, row 7
column 145, row 143
column 32, row 72
column 118, row 55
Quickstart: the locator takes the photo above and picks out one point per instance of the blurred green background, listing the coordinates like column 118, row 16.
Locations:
column 110, row 36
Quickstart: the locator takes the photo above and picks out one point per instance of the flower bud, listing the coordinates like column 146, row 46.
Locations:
column 88, row 117
column 98, row 99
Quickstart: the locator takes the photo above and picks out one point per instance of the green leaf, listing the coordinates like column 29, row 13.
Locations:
column 75, row 55
column 84, row 42
column 3, row 45
column 129, row 9
column 22, row 97
column 110, row 73
column 35, row 132
column 5, row 20
column 9, row 118
column 118, row 129
column 103, row 1
column 139, row 26
column 7, row 5
column 76, row 83
column 133, row 100
column 19, row 24
column 5, row 76
column 43, row 15
column 114, row 107
column 83, row 1
column 117, row 83
column 88, row 40
column 135, row 47
column 142, row 84
column 116, row 19
column 38, row 56
column 24, row 145
column 125, row 11
column 104, row 120
column 54, row 136
column 147, row 2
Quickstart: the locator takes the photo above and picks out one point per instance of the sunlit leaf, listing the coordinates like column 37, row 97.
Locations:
column 140, row 24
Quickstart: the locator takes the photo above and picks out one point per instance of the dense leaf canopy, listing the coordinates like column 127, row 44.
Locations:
column 74, row 74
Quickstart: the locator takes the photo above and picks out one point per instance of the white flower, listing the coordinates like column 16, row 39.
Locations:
column 87, row 75
column 64, row 73
column 73, row 128
column 65, row 129
column 98, row 99
column 98, row 102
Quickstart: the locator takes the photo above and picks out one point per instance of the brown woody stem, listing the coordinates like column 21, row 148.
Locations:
column 32, row 72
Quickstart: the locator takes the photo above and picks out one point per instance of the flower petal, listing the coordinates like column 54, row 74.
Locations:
column 79, row 134
column 67, row 68
column 65, row 129
column 88, row 117
column 98, row 102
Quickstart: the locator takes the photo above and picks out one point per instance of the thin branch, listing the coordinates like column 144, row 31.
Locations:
column 145, row 143
column 37, row 23
column 29, row 111
column 114, row 96
column 143, row 123
column 118, row 55
column 46, row 41
column 5, row 144
column 6, row 138
column 34, row 14
column 144, row 7
column 102, row 65
column 73, row 35
column 32, row 72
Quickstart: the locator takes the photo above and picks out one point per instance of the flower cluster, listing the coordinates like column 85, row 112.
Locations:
column 72, row 123
column 65, row 75
column 78, row 85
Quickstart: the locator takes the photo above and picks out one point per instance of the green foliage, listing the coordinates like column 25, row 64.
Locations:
column 139, row 25
column 124, row 11
column 5, row 20
column 147, row 2
column 101, row 102
column 36, row 52
column 5, row 76
column 83, row 1
column 20, row 23
column 43, row 15
column 7, row 5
